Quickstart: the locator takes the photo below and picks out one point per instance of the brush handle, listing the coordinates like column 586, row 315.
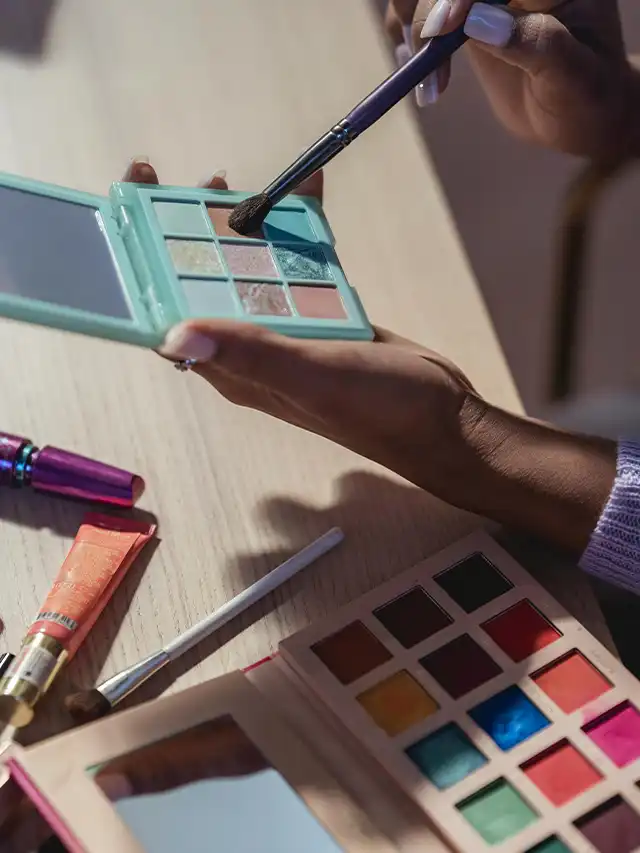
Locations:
column 428, row 59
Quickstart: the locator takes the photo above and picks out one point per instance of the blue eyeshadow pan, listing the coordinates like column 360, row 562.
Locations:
column 509, row 718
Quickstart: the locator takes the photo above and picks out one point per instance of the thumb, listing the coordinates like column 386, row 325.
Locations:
column 534, row 42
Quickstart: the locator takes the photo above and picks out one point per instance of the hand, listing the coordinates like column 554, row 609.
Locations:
column 555, row 71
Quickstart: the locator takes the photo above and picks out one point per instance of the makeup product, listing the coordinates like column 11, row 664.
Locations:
column 250, row 213
column 103, row 551
column 89, row 705
column 59, row 472
column 131, row 266
column 457, row 707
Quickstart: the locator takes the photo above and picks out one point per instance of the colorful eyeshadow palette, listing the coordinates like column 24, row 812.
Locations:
column 131, row 266
column 489, row 705
column 456, row 708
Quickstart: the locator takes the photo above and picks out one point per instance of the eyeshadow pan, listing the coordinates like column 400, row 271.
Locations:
column 617, row 734
column 182, row 219
column 305, row 263
column 460, row 666
column 219, row 217
column 521, row 631
column 249, row 259
column 613, row 827
column 473, row 582
column 412, row 617
column 288, row 226
column 561, row 773
column 509, row 717
column 321, row 303
column 397, row 703
column 551, row 845
column 571, row 681
column 194, row 257
column 497, row 812
column 351, row 652
column 259, row 297
column 446, row 757
column 209, row 298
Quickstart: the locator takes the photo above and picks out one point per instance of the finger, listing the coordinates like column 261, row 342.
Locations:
column 405, row 11
column 393, row 25
column 430, row 90
column 436, row 17
column 140, row 171
column 312, row 186
column 218, row 181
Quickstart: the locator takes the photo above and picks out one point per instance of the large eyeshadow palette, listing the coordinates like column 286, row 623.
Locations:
column 496, row 711
column 131, row 266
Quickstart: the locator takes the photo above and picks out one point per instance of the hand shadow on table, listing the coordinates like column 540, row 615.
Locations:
column 25, row 25
column 389, row 525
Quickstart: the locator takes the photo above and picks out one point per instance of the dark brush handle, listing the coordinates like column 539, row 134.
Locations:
column 395, row 88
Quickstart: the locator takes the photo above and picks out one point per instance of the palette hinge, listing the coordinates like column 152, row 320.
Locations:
column 143, row 276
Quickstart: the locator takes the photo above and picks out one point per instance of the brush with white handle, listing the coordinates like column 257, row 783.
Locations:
column 92, row 704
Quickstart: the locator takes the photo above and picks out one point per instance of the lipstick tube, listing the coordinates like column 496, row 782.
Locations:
column 60, row 472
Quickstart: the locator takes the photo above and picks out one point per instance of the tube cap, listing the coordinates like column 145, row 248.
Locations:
column 63, row 473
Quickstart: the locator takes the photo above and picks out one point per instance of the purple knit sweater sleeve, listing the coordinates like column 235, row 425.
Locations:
column 613, row 553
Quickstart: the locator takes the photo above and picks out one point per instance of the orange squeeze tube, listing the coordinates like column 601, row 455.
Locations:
column 103, row 550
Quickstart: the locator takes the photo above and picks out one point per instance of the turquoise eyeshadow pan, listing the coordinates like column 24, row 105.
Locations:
column 205, row 298
column 509, row 717
column 497, row 812
column 182, row 220
column 551, row 845
column 304, row 263
column 284, row 227
column 446, row 757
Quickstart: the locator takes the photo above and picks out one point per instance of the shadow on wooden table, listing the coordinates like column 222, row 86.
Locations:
column 24, row 26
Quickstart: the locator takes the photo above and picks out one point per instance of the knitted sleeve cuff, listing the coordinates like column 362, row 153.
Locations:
column 613, row 553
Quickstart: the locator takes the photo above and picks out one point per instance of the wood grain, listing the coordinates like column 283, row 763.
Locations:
column 198, row 85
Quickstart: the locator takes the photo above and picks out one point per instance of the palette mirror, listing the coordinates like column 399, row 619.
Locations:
column 130, row 266
column 209, row 790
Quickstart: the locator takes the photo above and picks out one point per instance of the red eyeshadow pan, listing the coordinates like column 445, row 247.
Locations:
column 561, row 773
column 571, row 682
column 521, row 631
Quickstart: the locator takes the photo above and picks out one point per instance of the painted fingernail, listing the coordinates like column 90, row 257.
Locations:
column 115, row 787
column 436, row 19
column 221, row 174
column 428, row 92
column 408, row 37
column 490, row 25
column 183, row 343
column 141, row 159
column 403, row 55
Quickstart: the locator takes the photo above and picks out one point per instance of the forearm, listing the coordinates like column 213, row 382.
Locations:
column 537, row 478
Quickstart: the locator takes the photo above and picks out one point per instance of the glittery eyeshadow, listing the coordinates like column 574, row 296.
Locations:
column 262, row 298
column 245, row 259
column 305, row 263
column 195, row 257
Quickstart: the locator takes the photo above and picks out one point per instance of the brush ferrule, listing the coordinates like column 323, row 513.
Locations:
column 120, row 685
column 313, row 159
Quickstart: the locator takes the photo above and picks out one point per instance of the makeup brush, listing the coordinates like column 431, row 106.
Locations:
column 248, row 216
column 89, row 705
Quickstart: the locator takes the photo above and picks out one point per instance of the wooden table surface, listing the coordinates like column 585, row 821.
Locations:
column 199, row 85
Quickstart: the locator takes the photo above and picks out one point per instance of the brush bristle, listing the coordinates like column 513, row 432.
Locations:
column 87, row 706
column 248, row 216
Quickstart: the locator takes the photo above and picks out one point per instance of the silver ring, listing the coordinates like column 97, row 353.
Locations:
column 184, row 366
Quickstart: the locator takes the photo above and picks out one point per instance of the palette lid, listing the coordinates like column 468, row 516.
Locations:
column 63, row 263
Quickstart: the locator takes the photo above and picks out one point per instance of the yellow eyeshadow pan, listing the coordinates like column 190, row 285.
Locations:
column 397, row 703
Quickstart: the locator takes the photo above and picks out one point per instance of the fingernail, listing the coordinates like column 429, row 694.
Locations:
column 142, row 159
column 403, row 55
column 115, row 787
column 428, row 92
column 436, row 19
column 183, row 343
column 221, row 173
column 408, row 37
column 490, row 25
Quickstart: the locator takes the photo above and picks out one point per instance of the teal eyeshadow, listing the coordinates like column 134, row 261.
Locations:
column 182, row 219
column 303, row 263
column 509, row 717
column 209, row 298
column 287, row 226
column 446, row 757
column 497, row 812
column 551, row 845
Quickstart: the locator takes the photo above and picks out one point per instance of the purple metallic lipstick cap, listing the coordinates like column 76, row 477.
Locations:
column 63, row 473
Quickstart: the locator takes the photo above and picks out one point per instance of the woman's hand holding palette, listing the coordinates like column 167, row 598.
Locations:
column 132, row 266
column 461, row 685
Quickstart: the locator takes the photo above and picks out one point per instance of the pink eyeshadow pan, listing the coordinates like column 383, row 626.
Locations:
column 262, row 298
column 219, row 217
column 321, row 303
column 246, row 259
column 617, row 734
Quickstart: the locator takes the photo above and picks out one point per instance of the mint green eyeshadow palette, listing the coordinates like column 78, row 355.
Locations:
column 131, row 266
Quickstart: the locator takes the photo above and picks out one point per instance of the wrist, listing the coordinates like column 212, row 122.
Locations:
column 536, row 477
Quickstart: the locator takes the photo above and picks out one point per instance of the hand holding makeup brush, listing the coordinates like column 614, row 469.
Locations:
column 555, row 71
